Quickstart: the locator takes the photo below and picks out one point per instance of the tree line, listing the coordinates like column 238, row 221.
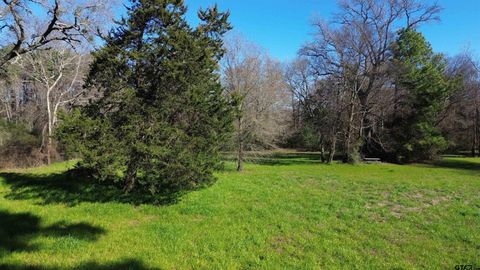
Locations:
column 369, row 84
column 160, row 102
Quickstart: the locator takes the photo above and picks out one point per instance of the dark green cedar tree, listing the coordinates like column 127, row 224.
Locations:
column 161, row 117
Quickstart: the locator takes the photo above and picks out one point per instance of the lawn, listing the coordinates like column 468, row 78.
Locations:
column 286, row 212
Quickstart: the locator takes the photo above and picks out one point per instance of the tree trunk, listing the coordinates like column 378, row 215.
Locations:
column 131, row 177
column 49, row 139
column 49, row 127
column 348, row 138
column 322, row 154
column 49, row 150
column 240, row 155
column 333, row 146
column 240, row 158
column 476, row 143
column 294, row 114
column 9, row 114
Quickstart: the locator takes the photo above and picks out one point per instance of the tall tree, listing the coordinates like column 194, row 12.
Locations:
column 461, row 120
column 162, row 115
column 35, row 88
column 354, row 49
column 57, row 76
column 421, row 79
column 300, row 83
column 257, row 83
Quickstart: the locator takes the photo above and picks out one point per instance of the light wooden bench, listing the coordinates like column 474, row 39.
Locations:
column 372, row 160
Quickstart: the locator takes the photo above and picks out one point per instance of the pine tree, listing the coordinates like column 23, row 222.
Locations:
column 161, row 117
column 420, row 76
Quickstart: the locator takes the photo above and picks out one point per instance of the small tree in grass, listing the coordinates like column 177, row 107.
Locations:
column 161, row 117
column 422, row 90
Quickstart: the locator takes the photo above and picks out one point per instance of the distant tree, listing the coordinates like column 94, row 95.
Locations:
column 162, row 116
column 257, row 83
column 423, row 89
column 300, row 80
column 353, row 49
column 461, row 120
column 36, row 87
column 318, row 103
column 18, row 146
column 10, row 82
column 57, row 76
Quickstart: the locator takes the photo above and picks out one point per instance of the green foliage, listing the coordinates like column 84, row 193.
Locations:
column 421, row 75
column 19, row 147
column 11, row 133
column 162, row 117
column 310, row 138
column 307, row 138
column 354, row 156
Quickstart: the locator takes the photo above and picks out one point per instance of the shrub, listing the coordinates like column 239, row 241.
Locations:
column 19, row 147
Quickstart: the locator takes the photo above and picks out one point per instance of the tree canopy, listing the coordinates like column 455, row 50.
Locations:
column 422, row 90
column 161, row 116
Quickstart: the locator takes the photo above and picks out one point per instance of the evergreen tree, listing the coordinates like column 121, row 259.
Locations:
column 161, row 117
column 422, row 90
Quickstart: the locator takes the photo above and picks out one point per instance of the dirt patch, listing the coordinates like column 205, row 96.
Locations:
column 397, row 209
column 142, row 220
column 440, row 200
column 279, row 243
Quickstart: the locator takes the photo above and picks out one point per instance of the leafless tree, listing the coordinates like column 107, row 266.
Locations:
column 300, row 83
column 461, row 120
column 29, row 25
column 354, row 48
column 257, row 81
column 57, row 76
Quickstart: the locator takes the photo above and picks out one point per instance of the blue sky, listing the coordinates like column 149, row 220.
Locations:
column 282, row 26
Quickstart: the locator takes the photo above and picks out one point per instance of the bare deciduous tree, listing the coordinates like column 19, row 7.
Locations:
column 28, row 25
column 300, row 83
column 58, row 77
column 257, row 81
column 354, row 48
column 461, row 120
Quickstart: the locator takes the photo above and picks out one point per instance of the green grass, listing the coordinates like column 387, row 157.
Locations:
column 286, row 212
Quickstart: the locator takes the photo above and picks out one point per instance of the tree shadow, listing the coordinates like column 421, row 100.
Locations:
column 286, row 159
column 281, row 161
column 459, row 164
column 292, row 158
column 129, row 264
column 70, row 189
column 17, row 230
column 126, row 264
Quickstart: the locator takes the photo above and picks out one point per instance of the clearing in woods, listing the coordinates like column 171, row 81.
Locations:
column 285, row 211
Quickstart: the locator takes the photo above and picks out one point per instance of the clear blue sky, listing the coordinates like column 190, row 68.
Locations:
column 282, row 26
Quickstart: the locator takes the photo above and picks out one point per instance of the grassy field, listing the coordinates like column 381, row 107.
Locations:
column 288, row 212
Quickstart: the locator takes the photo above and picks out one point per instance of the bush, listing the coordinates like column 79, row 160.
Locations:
column 19, row 147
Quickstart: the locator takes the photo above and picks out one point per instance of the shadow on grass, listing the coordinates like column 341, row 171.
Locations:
column 127, row 264
column 460, row 164
column 282, row 159
column 17, row 230
column 70, row 189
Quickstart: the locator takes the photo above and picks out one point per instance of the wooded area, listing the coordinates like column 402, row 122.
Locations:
column 133, row 136
column 161, row 99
